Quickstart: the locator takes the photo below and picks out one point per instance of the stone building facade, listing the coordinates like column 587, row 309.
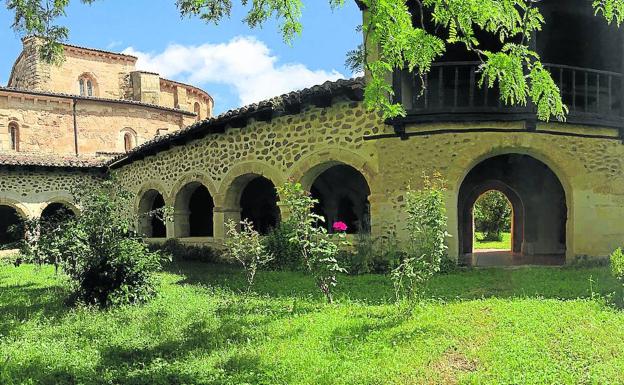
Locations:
column 564, row 180
column 93, row 102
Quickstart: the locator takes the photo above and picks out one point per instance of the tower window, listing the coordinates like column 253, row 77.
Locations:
column 127, row 141
column 87, row 85
column 197, row 110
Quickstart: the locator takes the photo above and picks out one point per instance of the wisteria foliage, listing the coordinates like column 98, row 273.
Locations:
column 399, row 43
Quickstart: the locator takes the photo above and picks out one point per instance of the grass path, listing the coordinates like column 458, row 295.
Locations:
column 504, row 244
column 521, row 326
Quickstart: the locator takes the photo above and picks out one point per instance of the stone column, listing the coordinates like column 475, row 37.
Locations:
column 221, row 216
column 181, row 226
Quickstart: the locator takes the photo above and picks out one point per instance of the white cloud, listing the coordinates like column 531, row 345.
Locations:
column 114, row 44
column 245, row 63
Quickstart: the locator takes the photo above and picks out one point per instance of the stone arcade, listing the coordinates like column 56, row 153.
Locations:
column 565, row 181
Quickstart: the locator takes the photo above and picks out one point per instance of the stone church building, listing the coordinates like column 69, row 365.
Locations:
column 96, row 115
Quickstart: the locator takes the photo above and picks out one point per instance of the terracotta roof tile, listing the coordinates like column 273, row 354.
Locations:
column 285, row 104
column 52, row 160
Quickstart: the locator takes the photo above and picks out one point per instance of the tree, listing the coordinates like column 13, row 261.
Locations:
column 492, row 215
column 402, row 43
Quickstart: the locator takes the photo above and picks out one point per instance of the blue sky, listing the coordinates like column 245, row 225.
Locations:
column 235, row 64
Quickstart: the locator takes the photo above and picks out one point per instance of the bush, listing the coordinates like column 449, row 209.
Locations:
column 246, row 247
column 105, row 261
column 617, row 264
column 492, row 215
column 426, row 226
column 180, row 252
column 286, row 254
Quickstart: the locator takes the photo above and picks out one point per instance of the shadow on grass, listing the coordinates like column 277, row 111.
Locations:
column 25, row 302
column 540, row 282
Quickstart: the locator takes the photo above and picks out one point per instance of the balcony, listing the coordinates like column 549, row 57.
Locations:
column 451, row 92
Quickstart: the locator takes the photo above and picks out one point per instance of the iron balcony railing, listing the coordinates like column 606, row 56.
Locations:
column 592, row 96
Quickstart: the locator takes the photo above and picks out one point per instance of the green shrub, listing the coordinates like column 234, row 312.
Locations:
column 617, row 264
column 246, row 247
column 286, row 254
column 426, row 224
column 180, row 252
column 106, row 262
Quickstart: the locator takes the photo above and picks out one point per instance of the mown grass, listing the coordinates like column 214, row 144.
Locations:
column 490, row 326
column 503, row 244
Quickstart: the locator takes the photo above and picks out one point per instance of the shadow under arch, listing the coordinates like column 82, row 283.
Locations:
column 151, row 223
column 249, row 192
column 66, row 202
column 465, row 209
column 533, row 188
column 12, row 217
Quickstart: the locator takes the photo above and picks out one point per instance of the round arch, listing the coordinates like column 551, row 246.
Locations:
column 149, row 223
column 21, row 209
column 239, row 176
column 541, row 156
column 151, row 185
column 66, row 202
column 193, row 207
column 57, row 212
column 307, row 169
column 11, row 214
column 534, row 190
column 466, row 235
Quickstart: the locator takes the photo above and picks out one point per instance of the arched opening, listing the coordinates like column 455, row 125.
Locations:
column 258, row 203
column 539, row 208
column 152, row 216
column 14, row 136
column 493, row 222
column 197, row 110
column 11, row 226
column 194, row 211
column 129, row 139
column 342, row 193
column 57, row 213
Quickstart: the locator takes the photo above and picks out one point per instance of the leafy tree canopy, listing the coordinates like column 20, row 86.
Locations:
column 402, row 44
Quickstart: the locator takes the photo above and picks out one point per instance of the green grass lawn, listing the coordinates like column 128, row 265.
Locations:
column 504, row 244
column 489, row 326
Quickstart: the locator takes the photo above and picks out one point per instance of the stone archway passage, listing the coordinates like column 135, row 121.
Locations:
column 194, row 211
column 538, row 201
column 258, row 203
column 342, row 192
column 11, row 225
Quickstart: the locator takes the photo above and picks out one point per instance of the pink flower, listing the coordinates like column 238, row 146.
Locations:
column 339, row 226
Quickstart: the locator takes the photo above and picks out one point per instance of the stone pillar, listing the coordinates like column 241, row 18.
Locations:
column 221, row 216
column 170, row 228
column 284, row 211
column 182, row 226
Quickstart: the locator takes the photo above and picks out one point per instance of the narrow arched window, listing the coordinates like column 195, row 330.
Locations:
column 128, row 145
column 82, row 87
column 89, row 88
column 14, row 136
column 197, row 110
